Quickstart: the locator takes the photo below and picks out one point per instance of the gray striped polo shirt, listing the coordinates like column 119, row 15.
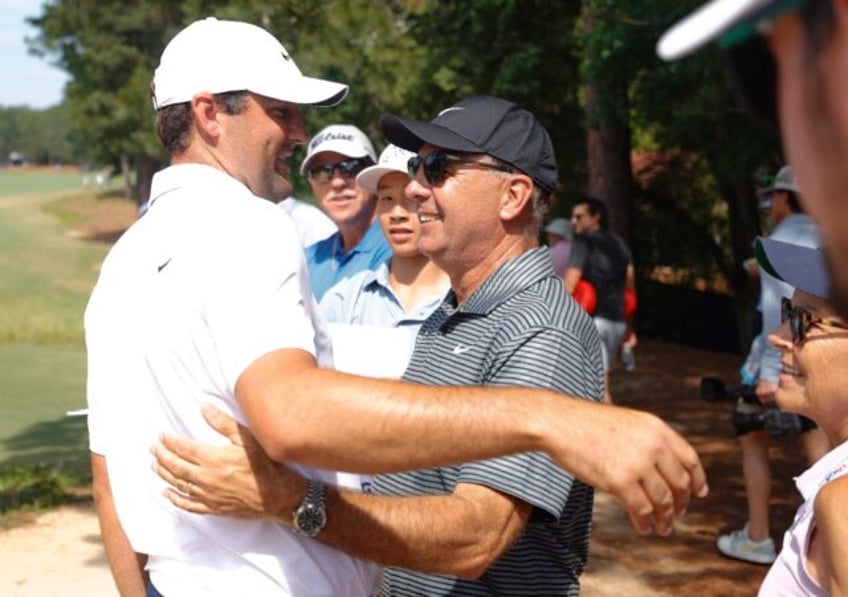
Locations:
column 520, row 328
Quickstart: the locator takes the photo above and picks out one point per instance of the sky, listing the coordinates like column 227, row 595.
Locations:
column 25, row 80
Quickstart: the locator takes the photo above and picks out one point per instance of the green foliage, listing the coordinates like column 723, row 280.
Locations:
column 520, row 50
column 37, row 486
column 414, row 57
column 42, row 136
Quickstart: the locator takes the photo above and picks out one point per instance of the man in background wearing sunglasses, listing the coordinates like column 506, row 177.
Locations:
column 335, row 156
column 788, row 59
column 519, row 525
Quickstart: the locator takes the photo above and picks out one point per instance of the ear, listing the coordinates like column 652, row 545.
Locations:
column 517, row 196
column 205, row 113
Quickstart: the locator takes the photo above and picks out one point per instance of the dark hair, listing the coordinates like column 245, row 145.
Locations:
column 173, row 123
column 793, row 202
column 596, row 207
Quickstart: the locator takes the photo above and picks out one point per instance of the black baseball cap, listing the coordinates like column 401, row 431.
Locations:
column 483, row 124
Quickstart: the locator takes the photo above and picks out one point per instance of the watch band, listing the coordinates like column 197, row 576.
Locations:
column 310, row 517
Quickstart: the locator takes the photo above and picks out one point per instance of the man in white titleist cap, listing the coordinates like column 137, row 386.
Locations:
column 787, row 62
column 206, row 300
column 334, row 157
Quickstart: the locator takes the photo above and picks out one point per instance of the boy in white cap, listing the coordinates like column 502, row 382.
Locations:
column 335, row 156
column 402, row 291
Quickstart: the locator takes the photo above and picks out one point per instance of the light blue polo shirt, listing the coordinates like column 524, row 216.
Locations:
column 328, row 264
column 367, row 299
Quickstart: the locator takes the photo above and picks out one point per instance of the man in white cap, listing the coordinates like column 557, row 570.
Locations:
column 786, row 61
column 517, row 525
column 217, row 309
column 335, row 156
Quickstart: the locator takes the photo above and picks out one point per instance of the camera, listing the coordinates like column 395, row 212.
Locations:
column 750, row 414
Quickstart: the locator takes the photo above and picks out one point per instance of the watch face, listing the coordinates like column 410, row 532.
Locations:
column 310, row 519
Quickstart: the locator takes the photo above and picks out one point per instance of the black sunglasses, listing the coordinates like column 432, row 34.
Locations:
column 435, row 165
column 347, row 168
column 801, row 320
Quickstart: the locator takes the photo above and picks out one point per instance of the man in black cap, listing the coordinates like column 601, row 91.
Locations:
column 482, row 178
column 786, row 59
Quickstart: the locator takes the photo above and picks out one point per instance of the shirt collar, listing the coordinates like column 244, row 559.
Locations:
column 182, row 175
column 831, row 465
column 508, row 280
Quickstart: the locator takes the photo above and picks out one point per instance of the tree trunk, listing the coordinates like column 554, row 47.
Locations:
column 126, row 174
column 608, row 139
column 609, row 167
column 147, row 167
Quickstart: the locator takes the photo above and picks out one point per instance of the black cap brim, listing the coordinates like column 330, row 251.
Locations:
column 413, row 134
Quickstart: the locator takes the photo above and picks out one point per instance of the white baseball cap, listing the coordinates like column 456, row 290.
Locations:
column 707, row 23
column 345, row 139
column 221, row 56
column 392, row 159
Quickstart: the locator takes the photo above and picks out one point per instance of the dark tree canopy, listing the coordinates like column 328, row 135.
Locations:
column 664, row 143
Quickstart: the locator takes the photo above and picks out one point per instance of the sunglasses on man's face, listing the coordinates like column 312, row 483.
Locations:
column 347, row 168
column 435, row 165
column 800, row 321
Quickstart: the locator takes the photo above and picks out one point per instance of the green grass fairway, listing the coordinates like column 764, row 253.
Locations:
column 46, row 275
column 39, row 385
column 25, row 181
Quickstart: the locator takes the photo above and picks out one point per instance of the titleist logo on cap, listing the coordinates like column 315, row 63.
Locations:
column 320, row 138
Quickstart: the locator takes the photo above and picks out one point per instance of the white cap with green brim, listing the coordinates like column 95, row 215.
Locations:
column 731, row 20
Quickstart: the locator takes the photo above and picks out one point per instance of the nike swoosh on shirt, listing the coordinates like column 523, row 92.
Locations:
column 461, row 349
column 161, row 267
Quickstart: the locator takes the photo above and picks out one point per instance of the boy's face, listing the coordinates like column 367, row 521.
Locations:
column 398, row 215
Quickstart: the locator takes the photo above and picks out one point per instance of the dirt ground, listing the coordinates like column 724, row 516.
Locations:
column 60, row 553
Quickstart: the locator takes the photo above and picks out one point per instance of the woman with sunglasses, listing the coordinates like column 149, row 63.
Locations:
column 813, row 343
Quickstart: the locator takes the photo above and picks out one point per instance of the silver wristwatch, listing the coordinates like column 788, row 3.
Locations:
column 311, row 515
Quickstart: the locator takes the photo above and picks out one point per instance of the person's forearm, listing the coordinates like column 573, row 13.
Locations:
column 460, row 535
column 126, row 565
column 332, row 420
column 571, row 278
column 632, row 455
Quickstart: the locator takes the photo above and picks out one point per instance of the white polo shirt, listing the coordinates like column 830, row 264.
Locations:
column 208, row 281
